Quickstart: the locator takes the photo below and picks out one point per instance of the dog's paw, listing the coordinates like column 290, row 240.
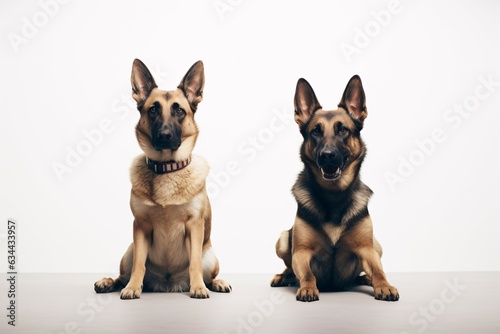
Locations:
column 307, row 294
column 388, row 293
column 278, row 280
column 199, row 292
column 104, row 285
column 219, row 285
column 129, row 292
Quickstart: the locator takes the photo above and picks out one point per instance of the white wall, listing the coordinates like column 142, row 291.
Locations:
column 72, row 73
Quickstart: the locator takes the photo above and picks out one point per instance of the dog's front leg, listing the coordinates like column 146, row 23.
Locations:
column 194, row 243
column 301, row 263
column 141, row 246
column 362, row 243
column 303, row 249
column 372, row 266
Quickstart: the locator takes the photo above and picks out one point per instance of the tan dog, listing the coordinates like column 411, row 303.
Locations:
column 331, row 242
column 171, row 251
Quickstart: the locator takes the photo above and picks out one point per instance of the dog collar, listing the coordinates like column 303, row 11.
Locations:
column 162, row 167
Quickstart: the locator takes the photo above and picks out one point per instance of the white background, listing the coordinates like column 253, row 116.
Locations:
column 74, row 72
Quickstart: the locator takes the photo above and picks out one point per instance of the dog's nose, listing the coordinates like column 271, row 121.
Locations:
column 328, row 156
column 165, row 135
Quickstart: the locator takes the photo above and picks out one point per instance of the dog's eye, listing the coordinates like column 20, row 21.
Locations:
column 180, row 111
column 316, row 131
column 343, row 130
column 152, row 110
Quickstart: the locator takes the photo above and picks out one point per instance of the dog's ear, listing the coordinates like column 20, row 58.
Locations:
column 305, row 102
column 192, row 84
column 354, row 99
column 142, row 82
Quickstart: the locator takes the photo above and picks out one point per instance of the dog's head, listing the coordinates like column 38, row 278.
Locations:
column 332, row 145
column 166, row 129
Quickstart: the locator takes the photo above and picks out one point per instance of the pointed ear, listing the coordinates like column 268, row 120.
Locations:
column 354, row 99
column 305, row 102
column 192, row 84
column 142, row 82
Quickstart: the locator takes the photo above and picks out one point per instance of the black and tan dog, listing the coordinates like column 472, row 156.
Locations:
column 331, row 242
column 171, row 251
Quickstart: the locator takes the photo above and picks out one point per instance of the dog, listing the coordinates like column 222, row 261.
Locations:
column 331, row 242
column 171, row 249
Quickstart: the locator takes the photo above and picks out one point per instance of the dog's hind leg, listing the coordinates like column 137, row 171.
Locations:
column 363, row 280
column 107, row 284
column 284, row 252
column 210, row 267
column 286, row 278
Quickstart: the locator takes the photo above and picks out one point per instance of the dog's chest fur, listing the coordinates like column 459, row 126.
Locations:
column 333, row 232
column 174, row 188
column 167, row 202
column 330, row 213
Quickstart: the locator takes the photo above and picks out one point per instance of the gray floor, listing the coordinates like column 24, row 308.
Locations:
column 430, row 303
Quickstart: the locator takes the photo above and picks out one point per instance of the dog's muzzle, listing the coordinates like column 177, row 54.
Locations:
column 167, row 139
column 331, row 164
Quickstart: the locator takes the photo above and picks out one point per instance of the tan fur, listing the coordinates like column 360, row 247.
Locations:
column 339, row 115
column 189, row 135
column 308, row 243
column 171, row 188
column 171, row 251
column 331, row 242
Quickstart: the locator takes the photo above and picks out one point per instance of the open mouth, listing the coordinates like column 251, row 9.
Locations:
column 331, row 172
